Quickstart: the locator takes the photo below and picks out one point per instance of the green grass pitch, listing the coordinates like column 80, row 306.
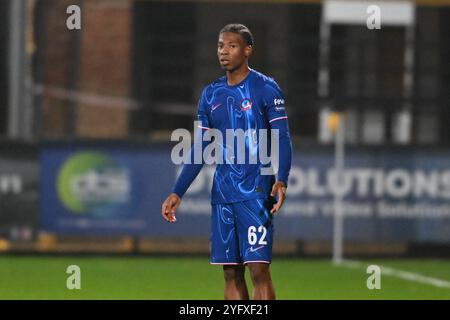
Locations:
column 122, row 277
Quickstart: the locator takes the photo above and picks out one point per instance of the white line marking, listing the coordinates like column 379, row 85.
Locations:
column 405, row 275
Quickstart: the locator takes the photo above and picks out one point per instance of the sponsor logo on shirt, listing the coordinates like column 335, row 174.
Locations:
column 278, row 101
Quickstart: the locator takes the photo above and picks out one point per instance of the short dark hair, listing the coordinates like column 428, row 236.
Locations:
column 239, row 29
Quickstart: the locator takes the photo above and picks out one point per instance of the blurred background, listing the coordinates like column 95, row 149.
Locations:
column 86, row 116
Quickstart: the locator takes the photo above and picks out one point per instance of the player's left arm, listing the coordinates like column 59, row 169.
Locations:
column 278, row 119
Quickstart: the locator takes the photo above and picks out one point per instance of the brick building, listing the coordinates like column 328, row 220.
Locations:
column 93, row 62
column 136, row 68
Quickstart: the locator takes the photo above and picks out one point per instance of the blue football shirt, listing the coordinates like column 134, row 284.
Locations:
column 255, row 103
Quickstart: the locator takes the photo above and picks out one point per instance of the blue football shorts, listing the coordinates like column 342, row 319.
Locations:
column 242, row 232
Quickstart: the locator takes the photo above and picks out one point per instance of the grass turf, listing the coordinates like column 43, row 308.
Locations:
column 41, row 277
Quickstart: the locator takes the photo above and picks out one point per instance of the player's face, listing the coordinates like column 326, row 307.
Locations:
column 232, row 51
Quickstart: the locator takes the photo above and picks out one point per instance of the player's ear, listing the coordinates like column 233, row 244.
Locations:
column 248, row 51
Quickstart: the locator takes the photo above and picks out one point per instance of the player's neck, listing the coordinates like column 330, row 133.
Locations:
column 236, row 76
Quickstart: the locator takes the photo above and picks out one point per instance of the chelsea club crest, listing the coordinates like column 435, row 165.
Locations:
column 246, row 104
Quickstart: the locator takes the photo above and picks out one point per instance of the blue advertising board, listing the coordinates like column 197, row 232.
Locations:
column 388, row 195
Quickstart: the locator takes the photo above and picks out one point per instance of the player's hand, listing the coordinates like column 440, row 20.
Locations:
column 278, row 190
column 170, row 206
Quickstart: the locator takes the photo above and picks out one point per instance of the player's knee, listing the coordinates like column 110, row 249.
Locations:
column 260, row 273
column 232, row 273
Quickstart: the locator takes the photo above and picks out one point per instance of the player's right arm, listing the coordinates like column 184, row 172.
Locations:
column 189, row 171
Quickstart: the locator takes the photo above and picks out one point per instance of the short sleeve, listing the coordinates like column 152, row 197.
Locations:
column 202, row 112
column 274, row 102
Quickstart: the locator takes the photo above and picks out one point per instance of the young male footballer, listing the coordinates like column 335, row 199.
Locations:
column 243, row 199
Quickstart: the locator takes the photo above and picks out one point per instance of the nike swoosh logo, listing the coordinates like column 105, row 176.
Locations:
column 255, row 249
column 214, row 107
column 242, row 87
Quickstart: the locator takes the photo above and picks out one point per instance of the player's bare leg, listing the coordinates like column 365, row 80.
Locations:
column 235, row 286
column 262, row 282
